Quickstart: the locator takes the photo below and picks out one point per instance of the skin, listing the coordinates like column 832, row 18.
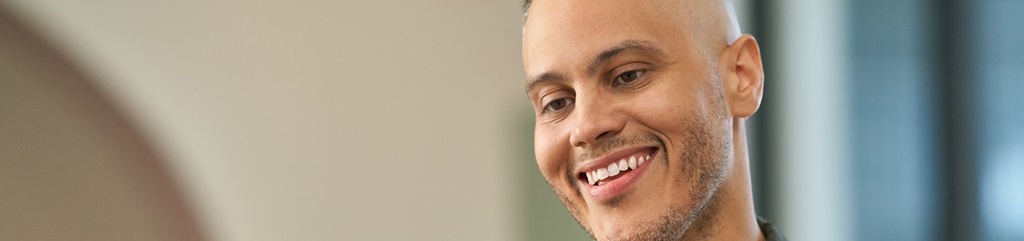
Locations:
column 607, row 76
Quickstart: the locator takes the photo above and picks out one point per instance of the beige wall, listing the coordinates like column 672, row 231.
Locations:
column 71, row 166
column 314, row 120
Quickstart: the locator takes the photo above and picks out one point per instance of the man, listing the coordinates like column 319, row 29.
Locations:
column 640, row 109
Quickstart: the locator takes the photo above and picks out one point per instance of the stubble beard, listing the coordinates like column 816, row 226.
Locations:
column 709, row 166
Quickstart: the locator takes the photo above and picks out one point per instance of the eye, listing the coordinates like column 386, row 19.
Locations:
column 628, row 77
column 558, row 104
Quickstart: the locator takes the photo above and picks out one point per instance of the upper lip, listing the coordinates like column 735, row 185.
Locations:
column 613, row 157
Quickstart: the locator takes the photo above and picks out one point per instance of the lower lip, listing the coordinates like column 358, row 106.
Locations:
column 614, row 188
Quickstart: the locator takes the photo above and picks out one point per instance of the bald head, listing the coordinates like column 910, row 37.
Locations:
column 707, row 25
column 718, row 14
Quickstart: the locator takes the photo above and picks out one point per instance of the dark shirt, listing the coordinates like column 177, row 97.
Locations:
column 770, row 232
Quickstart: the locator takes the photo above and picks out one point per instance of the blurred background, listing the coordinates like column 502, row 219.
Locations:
column 407, row 120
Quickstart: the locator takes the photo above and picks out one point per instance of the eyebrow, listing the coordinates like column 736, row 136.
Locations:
column 605, row 56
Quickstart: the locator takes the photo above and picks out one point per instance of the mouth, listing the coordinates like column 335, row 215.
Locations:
column 613, row 175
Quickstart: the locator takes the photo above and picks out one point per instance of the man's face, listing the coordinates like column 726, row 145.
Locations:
column 616, row 82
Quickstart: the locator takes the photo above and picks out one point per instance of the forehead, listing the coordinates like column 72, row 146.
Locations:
column 562, row 33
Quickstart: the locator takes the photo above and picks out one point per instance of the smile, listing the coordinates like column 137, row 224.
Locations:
column 613, row 175
column 621, row 167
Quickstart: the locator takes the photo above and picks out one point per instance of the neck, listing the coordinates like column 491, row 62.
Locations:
column 729, row 214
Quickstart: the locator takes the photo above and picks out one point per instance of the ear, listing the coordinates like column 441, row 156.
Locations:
column 744, row 76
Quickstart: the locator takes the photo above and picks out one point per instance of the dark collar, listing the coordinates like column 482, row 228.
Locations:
column 770, row 232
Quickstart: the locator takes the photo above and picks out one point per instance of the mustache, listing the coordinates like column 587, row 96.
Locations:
column 608, row 145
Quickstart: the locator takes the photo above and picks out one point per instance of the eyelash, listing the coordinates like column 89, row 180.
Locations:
column 639, row 74
column 548, row 109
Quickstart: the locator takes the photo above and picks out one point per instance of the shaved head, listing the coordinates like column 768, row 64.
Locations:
column 710, row 25
column 714, row 14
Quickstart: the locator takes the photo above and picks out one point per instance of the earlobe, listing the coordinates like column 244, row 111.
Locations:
column 745, row 83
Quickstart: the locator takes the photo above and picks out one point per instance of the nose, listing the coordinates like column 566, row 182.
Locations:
column 596, row 120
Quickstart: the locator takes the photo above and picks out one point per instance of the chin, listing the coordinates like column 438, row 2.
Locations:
column 609, row 227
column 668, row 223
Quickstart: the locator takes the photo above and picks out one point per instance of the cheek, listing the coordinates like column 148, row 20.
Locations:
column 679, row 96
column 551, row 151
column 665, row 108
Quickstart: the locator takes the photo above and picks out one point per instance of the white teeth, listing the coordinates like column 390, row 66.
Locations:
column 613, row 169
column 602, row 173
column 616, row 168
